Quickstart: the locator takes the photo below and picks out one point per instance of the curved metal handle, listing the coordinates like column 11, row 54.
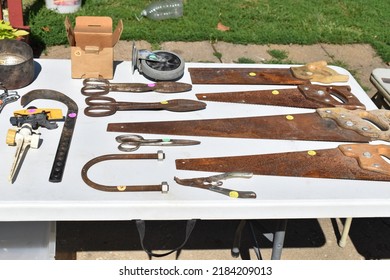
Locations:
column 100, row 110
column 129, row 142
column 95, row 86
column 99, row 100
column 94, row 90
column 163, row 187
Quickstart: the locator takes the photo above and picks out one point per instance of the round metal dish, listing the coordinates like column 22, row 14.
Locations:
column 16, row 64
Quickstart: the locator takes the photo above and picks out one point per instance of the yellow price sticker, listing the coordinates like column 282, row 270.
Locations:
column 233, row 194
column 289, row 117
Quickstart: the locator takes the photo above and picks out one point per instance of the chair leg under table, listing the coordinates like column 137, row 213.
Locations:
column 344, row 234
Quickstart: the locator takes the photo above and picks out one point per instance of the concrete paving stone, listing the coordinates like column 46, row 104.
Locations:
column 232, row 52
column 302, row 54
column 123, row 48
column 141, row 255
column 260, row 53
column 361, row 60
column 192, row 52
column 56, row 52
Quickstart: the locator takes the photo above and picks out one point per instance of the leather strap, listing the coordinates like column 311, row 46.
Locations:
column 141, row 231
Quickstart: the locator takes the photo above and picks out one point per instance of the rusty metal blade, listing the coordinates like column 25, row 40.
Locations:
column 309, row 126
column 327, row 163
column 304, row 96
column 252, row 76
column 172, row 87
column 281, row 97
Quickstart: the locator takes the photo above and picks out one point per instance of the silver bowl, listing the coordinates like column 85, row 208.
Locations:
column 16, row 64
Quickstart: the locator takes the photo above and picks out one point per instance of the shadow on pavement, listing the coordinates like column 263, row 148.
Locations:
column 75, row 237
column 371, row 237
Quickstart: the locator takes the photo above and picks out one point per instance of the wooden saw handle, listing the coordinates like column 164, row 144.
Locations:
column 369, row 157
column 318, row 72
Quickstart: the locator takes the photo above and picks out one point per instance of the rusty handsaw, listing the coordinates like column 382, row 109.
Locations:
column 312, row 72
column 348, row 161
column 302, row 96
column 326, row 124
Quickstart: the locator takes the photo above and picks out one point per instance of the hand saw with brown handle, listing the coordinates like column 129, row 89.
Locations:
column 349, row 161
column 311, row 72
column 303, row 96
column 326, row 124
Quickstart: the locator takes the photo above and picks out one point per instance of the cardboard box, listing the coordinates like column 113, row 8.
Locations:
column 92, row 46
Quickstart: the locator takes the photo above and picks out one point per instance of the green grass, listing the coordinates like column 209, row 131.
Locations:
column 251, row 21
column 245, row 60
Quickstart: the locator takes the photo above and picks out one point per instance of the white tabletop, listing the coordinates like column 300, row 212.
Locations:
column 33, row 197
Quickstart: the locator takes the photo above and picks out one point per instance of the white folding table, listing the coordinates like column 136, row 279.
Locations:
column 33, row 198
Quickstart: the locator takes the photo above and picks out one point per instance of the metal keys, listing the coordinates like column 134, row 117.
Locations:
column 23, row 138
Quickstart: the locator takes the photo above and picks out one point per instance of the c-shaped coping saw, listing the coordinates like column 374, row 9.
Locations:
column 57, row 170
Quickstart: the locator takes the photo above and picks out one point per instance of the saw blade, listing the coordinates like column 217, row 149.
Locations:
column 327, row 124
column 303, row 96
column 249, row 76
column 338, row 163
column 311, row 72
column 308, row 126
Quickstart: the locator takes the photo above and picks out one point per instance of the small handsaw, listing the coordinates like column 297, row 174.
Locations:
column 312, row 72
column 303, row 96
column 326, row 124
column 349, row 161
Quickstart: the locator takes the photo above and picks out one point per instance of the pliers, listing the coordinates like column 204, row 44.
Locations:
column 213, row 183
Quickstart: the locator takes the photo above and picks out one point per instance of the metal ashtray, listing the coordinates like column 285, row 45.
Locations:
column 16, row 64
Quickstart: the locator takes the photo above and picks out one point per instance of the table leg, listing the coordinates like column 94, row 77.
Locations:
column 235, row 251
column 379, row 101
column 344, row 235
column 278, row 240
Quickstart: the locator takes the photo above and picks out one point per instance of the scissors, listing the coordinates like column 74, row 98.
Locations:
column 100, row 106
column 8, row 97
column 97, row 86
column 131, row 142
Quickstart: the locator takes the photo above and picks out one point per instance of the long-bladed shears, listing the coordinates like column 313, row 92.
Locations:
column 131, row 142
